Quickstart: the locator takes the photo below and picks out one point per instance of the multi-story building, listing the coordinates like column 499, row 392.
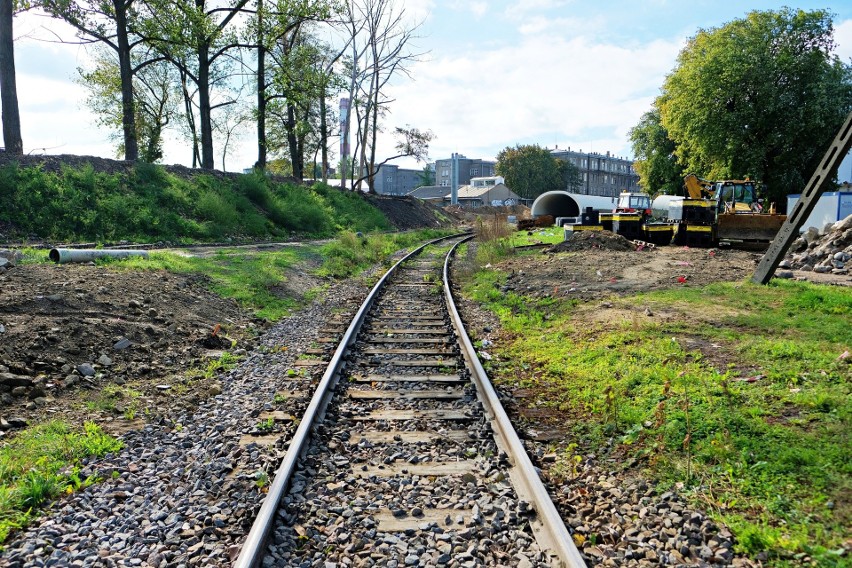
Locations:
column 393, row 180
column 602, row 174
column 468, row 168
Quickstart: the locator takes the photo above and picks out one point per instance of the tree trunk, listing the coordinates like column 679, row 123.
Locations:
column 293, row 144
column 8, row 87
column 261, row 91
column 204, row 111
column 128, row 113
column 323, row 137
column 190, row 119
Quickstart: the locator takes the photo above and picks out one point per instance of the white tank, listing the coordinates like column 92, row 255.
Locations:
column 661, row 206
column 565, row 204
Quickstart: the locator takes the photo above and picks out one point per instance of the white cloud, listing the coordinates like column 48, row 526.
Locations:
column 520, row 8
column 843, row 37
column 546, row 89
column 561, row 26
column 479, row 9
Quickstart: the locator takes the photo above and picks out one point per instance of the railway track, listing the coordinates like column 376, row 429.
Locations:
column 404, row 456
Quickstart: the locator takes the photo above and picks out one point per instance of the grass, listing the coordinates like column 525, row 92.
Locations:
column 111, row 398
column 351, row 254
column 146, row 203
column 738, row 395
column 548, row 235
column 43, row 462
column 254, row 279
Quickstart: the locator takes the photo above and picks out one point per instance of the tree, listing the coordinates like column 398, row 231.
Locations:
column 761, row 96
column 530, row 170
column 570, row 174
column 196, row 37
column 8, row 86
column 379, row 38
column 155, row 97
column 276, row 23
column 109, row 22
column 656, row 163
column 411, row 142
column 427, row 176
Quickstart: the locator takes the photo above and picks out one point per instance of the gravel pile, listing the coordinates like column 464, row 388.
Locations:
column 183, row 492
column 829, row 251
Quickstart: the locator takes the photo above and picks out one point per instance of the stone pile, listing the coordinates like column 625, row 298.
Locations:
column 826, row 251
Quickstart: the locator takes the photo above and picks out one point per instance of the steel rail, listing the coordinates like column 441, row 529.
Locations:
column 554, row 537
column 252, row 552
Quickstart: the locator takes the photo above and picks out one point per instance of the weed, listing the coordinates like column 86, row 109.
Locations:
column 261, row 479
column 267, row 425
column 42, row 462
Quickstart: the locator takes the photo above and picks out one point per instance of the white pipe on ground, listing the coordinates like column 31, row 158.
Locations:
column 64, row 256
column 565, row 204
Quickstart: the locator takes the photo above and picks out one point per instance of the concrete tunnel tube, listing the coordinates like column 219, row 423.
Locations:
column 565, row 204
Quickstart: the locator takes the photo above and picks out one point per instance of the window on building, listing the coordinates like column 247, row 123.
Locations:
column 585, row 176
column 444, row 183
column 445, row 172
column 474, row 171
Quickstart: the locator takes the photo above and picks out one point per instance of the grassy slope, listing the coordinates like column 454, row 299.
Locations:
column 148, row 204
column 755, row 424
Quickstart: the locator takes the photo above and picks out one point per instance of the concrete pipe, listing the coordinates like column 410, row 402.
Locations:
column 64, row 256
column 564, row 204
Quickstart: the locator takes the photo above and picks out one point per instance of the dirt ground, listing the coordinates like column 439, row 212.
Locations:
column 84, row 342
column 595, row 265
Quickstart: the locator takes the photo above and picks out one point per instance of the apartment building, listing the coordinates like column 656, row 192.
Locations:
column 468, row 168
column 602, row 174
column 393, row 180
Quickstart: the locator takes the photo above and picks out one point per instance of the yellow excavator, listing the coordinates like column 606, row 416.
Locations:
column 740, row 215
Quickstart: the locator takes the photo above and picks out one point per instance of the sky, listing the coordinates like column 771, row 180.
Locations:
column 493, row 74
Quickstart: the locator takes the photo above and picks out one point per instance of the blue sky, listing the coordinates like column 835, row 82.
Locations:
column 571, row 73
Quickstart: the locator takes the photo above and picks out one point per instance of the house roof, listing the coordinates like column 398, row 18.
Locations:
column 430, row 192
column 470, row 192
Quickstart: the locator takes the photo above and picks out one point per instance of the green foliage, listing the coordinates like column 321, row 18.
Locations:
column 40, row 463
column 655, row 162
column 351, row 254
column 762, row 96
column 530, row 170
column 146, row 203
column 756, row 424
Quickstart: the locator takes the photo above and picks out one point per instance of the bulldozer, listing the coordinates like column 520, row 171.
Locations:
column 739, row 214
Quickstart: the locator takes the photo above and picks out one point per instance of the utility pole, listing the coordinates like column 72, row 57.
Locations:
column 454, row 192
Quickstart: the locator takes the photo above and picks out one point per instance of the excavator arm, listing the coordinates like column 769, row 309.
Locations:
column 697, row 188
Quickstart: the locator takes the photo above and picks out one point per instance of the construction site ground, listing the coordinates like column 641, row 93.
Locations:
column 58, row 319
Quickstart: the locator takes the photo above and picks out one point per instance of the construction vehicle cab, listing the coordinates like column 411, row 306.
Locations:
column 740, row 214
column 633, row 203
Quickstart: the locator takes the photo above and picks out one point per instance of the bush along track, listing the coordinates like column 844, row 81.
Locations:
column 732, row 395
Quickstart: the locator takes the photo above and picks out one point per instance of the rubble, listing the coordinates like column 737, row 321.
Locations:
column 585, row 240
column 825, row 252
